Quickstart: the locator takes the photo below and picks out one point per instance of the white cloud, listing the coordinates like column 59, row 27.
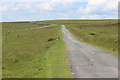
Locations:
column 55, row 3
column 25, row 0
column 47, row 6
column 112, row 6
column 98, row 17
column 90, row 16
column 27, row 4
column 59, row 9
column 13, row 6
column 96, row 8
column 99, row 5
column 3, row 8
column 44, row 0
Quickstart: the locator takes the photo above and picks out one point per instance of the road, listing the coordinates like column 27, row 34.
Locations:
column 88, row 61
column 51, row 25
column 42, row 27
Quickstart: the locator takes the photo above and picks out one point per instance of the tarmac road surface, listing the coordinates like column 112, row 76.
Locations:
column 88, row 61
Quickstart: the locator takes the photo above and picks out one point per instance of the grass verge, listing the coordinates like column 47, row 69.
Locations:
column 29, row 54
column 101, row 34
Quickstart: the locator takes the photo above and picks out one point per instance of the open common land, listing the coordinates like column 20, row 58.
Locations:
column 29, row 54
column 35, row 53
column 99, row 33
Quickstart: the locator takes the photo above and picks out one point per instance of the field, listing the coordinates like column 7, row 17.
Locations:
column 99, row 33
column 34, row 53
column 29, row 54
column 102, row 34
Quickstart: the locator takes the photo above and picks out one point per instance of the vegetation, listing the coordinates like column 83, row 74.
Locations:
column 99, row 33
column 0, row 50
column 41, row 52
column 29, row 54
column 102, row 34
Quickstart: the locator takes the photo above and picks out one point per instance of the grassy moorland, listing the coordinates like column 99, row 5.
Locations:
column 100, row 33
column 29, row 54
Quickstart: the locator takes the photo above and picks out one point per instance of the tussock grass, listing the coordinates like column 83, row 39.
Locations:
column 102, row 34
column 29, row 54
column 99, row 33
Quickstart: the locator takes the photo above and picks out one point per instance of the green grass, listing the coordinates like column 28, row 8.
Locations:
column 106, row 33
column 0, row 50
column 59, row 71
column 16, row 26
column 29, row 54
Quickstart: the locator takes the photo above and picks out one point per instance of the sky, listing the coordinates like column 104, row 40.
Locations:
column 37, row 10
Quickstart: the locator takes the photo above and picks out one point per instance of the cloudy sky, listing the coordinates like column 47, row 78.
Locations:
column 32, row 10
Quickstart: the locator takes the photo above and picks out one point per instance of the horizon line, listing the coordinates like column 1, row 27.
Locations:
column 55, row 19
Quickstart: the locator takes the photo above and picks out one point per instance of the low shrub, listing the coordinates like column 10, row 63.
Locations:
column 93, row 33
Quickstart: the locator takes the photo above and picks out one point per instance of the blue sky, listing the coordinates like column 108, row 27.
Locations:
column 35, row 10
